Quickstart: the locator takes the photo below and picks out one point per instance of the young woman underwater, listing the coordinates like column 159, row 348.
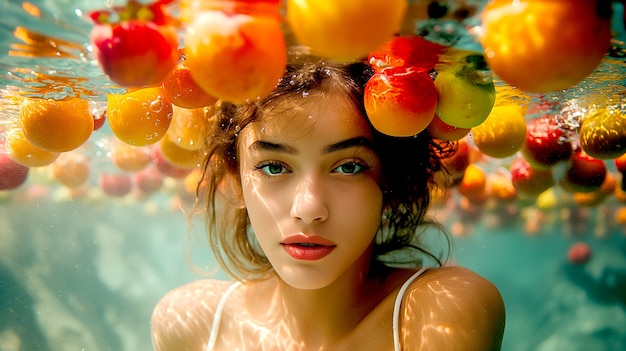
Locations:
column 318, row 217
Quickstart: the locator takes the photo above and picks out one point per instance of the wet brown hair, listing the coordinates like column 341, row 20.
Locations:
column 408, row 165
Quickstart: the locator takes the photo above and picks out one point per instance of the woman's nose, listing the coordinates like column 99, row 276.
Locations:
column 308, row 203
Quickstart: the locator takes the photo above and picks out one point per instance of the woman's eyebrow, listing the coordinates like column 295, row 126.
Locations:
column 348, row 143
column 261, row 145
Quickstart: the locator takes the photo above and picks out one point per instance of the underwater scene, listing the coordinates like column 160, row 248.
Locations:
column 101, row 150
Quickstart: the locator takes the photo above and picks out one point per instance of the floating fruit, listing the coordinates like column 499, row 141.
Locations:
column 115, row 184
column 406, row 51
column 465, row 88
column 530, row 182
column 130, row 158
column 236, row 56
column 344, row 30
column 579, row 253
column 502, row 133
column 71, row 169
column 188, row 129
column 25, row 153
column 56, row 125
column 542, row 46
column 183, row 91
column 545, row 144
column 167, row 168
column 12, row 174
column 400, row 102
column 474, row 183
column 603, row 133
column 180, row 157
column 585, row 174
column 136, row 45
column 149, row 180
column 139, row 117
column 438, row 129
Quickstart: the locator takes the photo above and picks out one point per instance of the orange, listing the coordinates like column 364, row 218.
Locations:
column 503, row 133
column 71, row 169
column 189, row 127
column 139, row 117
column 56, row 125
column 131, row 158
column 180, row 157
column 545, row 45
column 345, row 30
column 23, row 152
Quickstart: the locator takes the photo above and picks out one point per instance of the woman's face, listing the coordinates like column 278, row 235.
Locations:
column 311, row 184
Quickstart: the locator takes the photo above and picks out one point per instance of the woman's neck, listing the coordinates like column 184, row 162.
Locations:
column 329, row 314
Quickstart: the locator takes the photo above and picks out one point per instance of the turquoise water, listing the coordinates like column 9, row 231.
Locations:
column 82, row 270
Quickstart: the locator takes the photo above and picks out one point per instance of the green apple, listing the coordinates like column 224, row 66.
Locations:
column 466, row 90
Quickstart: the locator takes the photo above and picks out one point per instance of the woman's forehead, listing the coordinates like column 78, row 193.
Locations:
column 314, row 114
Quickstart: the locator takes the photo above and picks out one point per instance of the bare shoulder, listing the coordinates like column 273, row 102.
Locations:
column 453, row 308
column 181, row 320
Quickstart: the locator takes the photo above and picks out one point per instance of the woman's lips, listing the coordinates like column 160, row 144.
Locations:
column 307, row 247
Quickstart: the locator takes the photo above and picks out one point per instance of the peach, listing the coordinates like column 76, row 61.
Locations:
column 183, row 91
column 235, row 56
column 400, row 101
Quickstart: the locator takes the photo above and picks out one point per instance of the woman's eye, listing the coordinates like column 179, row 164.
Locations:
column 351, row 168
column 272, row 168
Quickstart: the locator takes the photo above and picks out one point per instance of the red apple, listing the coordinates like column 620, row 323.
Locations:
column 528, row 181
column 546, row 144
column 400, row 101
column 136, row 45
column 12, row 174
column 405, row 51
column 584, row 174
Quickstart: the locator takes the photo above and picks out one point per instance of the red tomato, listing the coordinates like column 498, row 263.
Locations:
column 139, row 50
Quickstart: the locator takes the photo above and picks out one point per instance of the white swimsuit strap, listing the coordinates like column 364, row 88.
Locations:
column 217, row 316
column 396, row 308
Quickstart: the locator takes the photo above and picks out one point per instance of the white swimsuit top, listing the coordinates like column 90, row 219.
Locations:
column 217, row 317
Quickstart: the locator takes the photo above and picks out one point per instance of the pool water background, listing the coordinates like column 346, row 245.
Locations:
column 83, row 273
